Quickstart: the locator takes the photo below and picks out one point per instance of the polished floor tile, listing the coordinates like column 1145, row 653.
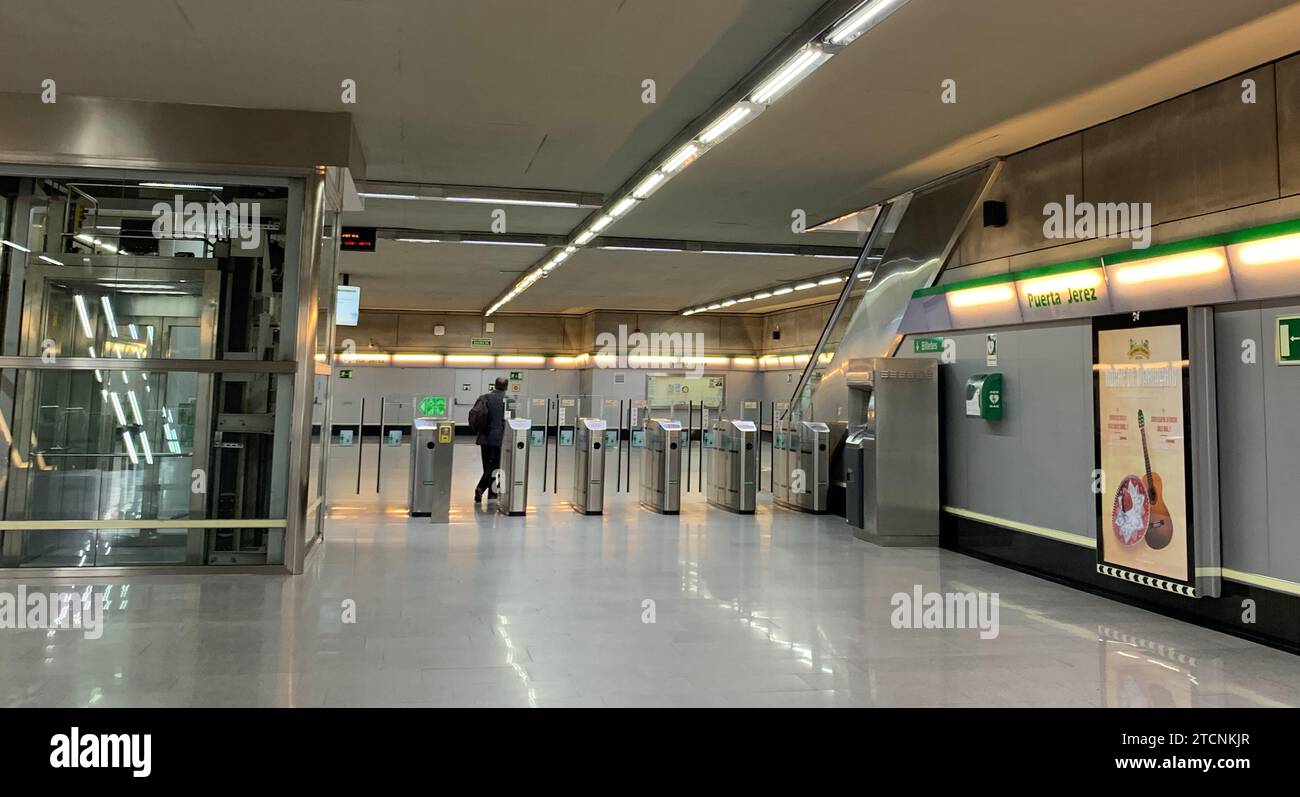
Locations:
column 555, row 609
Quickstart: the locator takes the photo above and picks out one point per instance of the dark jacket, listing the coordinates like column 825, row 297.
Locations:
column 496, row 419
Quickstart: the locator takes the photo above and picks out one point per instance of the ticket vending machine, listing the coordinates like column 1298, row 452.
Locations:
column 802, row 465
column 661, row 467
column 512, row 499
column 733, row 466
column 432, row 445
column 892, row 452
column 589, row 466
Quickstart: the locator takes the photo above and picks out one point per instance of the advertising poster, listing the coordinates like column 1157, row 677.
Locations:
column 1143, row 452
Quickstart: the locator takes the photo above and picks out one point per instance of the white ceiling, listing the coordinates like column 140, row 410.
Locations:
column 530, row 94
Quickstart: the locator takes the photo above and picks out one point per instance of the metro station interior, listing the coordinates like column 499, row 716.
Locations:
column 848, row 353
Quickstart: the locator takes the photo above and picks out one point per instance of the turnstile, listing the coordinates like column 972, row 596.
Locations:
column 512, row 497
column 661, row 467
column 432, row 445
column 859, row 487
column 733, row 466
column 801, row 466
column 589, row 466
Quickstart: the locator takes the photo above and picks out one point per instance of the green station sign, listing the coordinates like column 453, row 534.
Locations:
column 927, row 345
column 433, row 407
column 1288, row 340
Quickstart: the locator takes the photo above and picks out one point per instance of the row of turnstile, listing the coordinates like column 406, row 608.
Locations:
column 733, row 469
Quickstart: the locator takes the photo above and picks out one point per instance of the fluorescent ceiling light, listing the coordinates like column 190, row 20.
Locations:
column 135, row 407
column 756, row 254
column 728, row 302
column 744, row 299
column 420, row 240
column 181, row 185
column 520, row 359
column 782, row 291
column 428, row 359
column 803, row 286
column 688, row 312
column 762, row 295
column 585, row 238
column 601, row 223
column 623, row 206
column 683, row 156
column 505, row 243
column 858, row 21
column 647, row 186
column 148, row 452
column 540, row 203
column 80, row 302
column 714, row 306
column 50, row 260
column 838, row 257
column 13, row 245
column 642, row 249
column 108, row 315
column 117, row 409
column 725, row 124
column 408, row 197
column 466, row 359
column 130, row 448
column 785, row 78
column 830, row 281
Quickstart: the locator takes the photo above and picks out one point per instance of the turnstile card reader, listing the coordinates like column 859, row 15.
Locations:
column 432, row 446
column 512, row 497
column 661, row 467
column 802, row 466
column 589, row 466
column 733, row 466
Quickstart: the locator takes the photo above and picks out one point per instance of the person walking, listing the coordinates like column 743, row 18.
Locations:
column 487, row 419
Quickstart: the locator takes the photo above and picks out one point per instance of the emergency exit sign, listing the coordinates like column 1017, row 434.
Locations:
column 1288, row 340
column 482, row 343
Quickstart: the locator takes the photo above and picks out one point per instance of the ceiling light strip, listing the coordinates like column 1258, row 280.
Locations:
column 766, row 89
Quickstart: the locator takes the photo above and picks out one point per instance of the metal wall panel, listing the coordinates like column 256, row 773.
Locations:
column 1281, row 421
column 1287, row 75
column 1243, row 439
column 1035, row 465
column 1198, row 153
column 1028, row 181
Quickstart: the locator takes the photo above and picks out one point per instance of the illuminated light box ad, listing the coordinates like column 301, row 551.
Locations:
column 347, row 306
column 1143, row 450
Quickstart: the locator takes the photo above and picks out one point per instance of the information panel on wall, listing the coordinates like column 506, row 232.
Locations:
column 1145, row 529
column 347, row 305
column 662, row 391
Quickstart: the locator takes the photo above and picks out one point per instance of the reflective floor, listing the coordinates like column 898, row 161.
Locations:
column 777, row 609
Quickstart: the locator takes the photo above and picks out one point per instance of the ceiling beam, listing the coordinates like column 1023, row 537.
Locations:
column 394, row 191
column 665, row 245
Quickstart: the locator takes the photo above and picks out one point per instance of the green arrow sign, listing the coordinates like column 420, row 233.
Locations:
column 1288, row 340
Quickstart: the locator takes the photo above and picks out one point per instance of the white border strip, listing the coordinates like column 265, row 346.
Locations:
column 193, row 523
column 1239, row 576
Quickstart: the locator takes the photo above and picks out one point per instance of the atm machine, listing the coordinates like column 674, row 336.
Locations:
column 733, row 466
column 589, row 466
column 432, row 446
column 512, row 499
column 661, row 467
column 801, row 465
column 892, row 450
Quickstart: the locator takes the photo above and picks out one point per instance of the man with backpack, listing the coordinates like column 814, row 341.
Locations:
column 487, row 419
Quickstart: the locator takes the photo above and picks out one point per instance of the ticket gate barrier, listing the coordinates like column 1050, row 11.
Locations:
column 661, row 467
column 801, row 465
column 733, row 466
column 859, row 487
column 433, row 441
column 512, row 495
column 589, row 466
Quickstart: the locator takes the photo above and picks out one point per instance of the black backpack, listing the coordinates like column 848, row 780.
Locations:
column 478, row 415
